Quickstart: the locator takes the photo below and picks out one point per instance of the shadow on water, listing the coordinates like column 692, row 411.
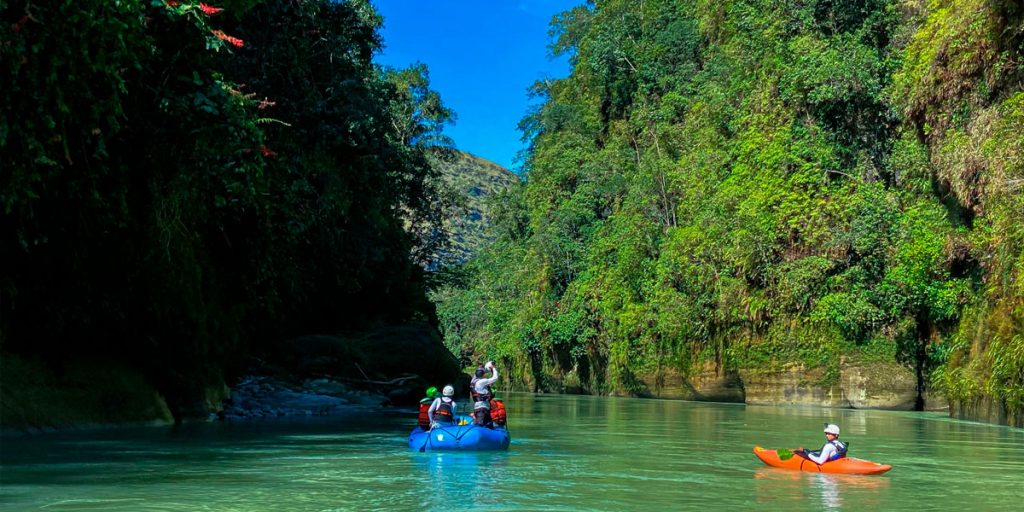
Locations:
column 231, row 451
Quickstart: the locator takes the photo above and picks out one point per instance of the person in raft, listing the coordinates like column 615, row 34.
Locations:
column 833, row 449
column 480, row 388
column 423, row 420
column 442, row 411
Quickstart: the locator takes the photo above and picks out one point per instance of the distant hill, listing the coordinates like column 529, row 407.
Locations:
column 468, row 182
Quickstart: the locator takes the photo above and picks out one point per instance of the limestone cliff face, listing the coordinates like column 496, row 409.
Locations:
column 988, row 410
column 873, row 385
column 859, row 385
column 707, row 384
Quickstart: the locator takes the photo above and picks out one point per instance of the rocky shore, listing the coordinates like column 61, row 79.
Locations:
column 255, row 397
column 315, row 375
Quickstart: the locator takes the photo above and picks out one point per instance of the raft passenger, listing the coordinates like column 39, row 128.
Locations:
column 480, row 388
column 442, row 411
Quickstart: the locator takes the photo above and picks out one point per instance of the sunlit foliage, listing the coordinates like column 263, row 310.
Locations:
column 758, row 183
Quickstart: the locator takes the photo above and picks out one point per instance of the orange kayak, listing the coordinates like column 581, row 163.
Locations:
column 846, row 465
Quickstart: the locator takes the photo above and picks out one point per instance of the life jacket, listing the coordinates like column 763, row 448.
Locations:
column 444, row 412
column 424, row 418
column 498, row 412
column 841, row 448
column 479, row 397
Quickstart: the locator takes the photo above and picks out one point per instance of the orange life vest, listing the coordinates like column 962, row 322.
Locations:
column 498, row 412
column 424, row 418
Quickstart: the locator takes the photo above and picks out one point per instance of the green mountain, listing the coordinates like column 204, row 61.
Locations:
column 468, row 183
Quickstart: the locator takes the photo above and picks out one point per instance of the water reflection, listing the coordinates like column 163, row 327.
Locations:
column 780, row 487
column 460, row 480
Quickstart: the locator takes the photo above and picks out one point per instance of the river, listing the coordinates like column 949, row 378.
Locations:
column 568, row 453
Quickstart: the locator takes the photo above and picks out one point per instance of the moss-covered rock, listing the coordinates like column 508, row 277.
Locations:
column 860, row 384
column 36, row 396
column 708, row 382
column 986, row 409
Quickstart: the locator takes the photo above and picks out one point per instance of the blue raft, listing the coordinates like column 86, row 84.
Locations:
column 459, row 437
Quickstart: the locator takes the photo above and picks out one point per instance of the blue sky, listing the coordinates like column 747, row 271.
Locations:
column 482, row 55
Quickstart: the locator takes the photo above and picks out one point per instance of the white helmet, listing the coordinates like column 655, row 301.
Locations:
column 449, row 391
column 832, row 429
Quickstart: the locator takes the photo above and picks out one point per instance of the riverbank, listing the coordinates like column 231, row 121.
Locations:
column 317, row 375
column 854, row 382
column 256, row 397
column 36, row 396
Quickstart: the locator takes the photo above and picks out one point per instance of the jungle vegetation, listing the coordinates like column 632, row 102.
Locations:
column 761, row 183
column 184, row 185
column 747, row 184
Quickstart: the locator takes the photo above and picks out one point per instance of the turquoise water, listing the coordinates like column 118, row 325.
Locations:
column 568, row 453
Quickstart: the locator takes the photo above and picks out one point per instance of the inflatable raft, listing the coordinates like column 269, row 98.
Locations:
column 786, row 459
column 463, row 436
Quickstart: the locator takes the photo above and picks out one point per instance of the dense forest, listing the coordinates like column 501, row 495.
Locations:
column 186, row 185
column 753, row 184
column 740, row 185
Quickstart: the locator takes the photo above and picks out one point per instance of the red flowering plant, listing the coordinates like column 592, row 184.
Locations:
column 234, row 41
column 231, row 105
column 200, row 12
column 209, row 10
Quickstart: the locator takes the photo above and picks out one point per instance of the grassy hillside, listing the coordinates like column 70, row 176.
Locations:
column 469, row 182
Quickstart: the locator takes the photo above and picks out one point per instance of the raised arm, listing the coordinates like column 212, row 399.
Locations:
column 487, row 382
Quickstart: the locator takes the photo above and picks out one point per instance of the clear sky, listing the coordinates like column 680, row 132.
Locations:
column 482, row 55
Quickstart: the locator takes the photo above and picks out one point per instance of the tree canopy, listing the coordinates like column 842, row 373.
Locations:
column 183, row 184
column 755, row 183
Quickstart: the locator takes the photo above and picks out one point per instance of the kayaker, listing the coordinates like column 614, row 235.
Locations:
column 442, row 411
column 424, row 419
column 833, row 449
column 480, row 388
